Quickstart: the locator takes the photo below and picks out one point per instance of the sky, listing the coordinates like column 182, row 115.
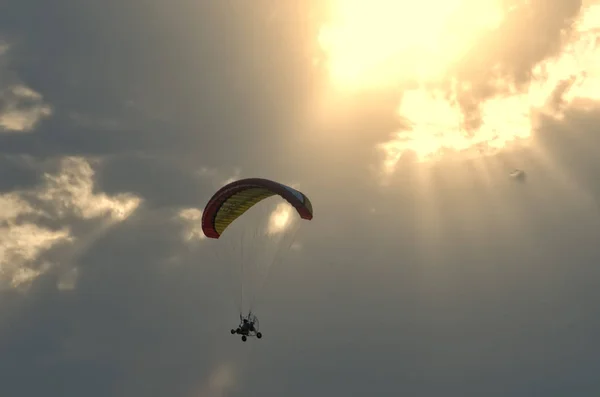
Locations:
column 426, row 271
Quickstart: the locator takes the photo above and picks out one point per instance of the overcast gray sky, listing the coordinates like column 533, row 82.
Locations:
column 426, row 270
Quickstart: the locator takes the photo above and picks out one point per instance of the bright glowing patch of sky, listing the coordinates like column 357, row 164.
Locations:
column 436, row 122
column 280, row 218
column 379, row 42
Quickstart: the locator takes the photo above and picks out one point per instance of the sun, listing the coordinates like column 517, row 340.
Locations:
column 381, row 42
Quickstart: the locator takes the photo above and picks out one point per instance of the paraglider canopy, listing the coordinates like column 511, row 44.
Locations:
column 234, row 199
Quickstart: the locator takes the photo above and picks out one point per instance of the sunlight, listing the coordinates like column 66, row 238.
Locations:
column 437, row 124
column 280, row 218
column 381, row 42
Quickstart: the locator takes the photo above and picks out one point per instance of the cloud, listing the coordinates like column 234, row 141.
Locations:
column 71, row 191
column 22, row 243
column 280, row 219
column 192, row 221
column 530, row 32
column 21, row 108
column 218, row 177
column 34, row 221
column 467, row 116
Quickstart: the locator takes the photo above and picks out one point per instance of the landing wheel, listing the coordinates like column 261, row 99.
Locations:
column 232, row 331
column 258, row 335
column 244, row 338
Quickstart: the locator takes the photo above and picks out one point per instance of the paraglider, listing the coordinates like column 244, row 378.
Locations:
column 239, row 199
column 518, row 175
